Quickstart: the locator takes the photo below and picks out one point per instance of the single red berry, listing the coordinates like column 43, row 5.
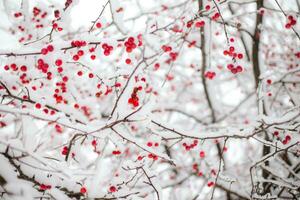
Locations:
column 128, row 61
column 58, row 62
column 202, row 154
column 98, row 25
column 91, row 75
column 23, row 68
column 112, row 189
column 75, row 57
column 50, row 48
column 38, row 105
column 83, row 190
column 44, row 51
column 79, row 73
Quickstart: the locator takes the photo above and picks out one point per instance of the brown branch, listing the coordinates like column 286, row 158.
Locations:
column 95, row 21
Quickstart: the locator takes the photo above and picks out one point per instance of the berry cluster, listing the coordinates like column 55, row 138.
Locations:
column 152, row 156
column 17, row 14
column 116, row 152
column 47, row 49
column 233, row 69
column 43, row 66
column 189, row 24
column 196, row 169
column 78, row 43
column 216, row 16
column 190, row 146
column 150, row 144
column 107, row 49
column 210, row 75
column 166, row 48
column 134, row 99
column 44, row 187
column 231, row 52
column 291, row 22
column 199, row 24
column 65, row 151
column 130, row 44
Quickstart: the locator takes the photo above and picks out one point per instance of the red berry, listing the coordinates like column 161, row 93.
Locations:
column 202, row 154
column 79, row 73
column 98, row 25
column 112, row 189
column 75, row 57
column 44, row 51
column 23, row 68
column 38, row 105
column 83, row 190
column 50, row 48
column 91, row 75
column 58, row 62
column 128, row 61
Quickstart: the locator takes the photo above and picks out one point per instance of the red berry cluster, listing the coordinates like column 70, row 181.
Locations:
column 190, row 146
column 44, row 187
column 17, row 14
column 41, row 65
column 107, row 49
column 233, row 69
column 36, row 11
column 58, row 128
column 152, row 156
column 287, row 139
column 130, row 44
column 210, row 75
column 56, row 27
column 78, row 43
column 68, row 3
column 173, row 55
column 150, row 144
column 196, row 169
column 231, row 52
column 291, row 22
column 210, row 184
column 65, row 151
column 47, row 49
column 284, row 140
column 56, row 14
column 189, row 24
column 116, row 152
column 166, row 48
column 134, row 100
column 199, row 24
column 216, row 16
column 176, row 29
column 77, row 56
column 63, row 89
